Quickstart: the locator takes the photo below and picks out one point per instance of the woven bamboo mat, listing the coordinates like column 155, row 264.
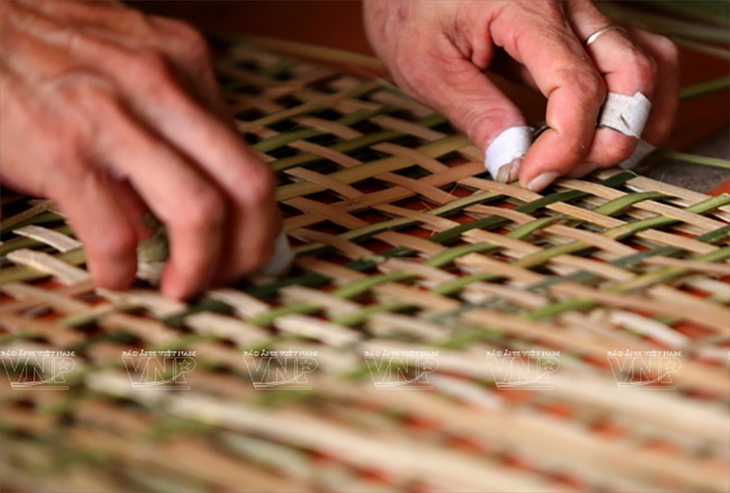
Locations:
column 438, row 332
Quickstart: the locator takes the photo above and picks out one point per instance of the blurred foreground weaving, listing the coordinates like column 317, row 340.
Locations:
column 439, row 331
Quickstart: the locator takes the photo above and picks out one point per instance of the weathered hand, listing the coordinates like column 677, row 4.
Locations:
column 440, row 52
column 113, row 113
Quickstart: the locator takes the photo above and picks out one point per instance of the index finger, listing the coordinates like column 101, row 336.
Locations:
column 545, row 43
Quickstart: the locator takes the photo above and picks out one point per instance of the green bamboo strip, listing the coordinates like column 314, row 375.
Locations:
column 630, row 229
column 695, row 159
column 628, row 261
column 32, row 215
column 320, row 53
column 616, row 206
column 448, row 256
column 665, row 25
column 360, row 286
column 402, row 222
column 707, row 49
column 705, row 88
column 459, row 204
column 452, row 286
column 669, row 273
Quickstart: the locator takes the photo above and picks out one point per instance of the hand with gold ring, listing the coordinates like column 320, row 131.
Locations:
column 592, row 73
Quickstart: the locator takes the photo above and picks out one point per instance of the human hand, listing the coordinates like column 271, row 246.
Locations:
column 440, row 51
column 112, row 114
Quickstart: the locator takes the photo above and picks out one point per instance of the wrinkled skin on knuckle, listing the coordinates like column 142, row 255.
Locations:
column 89, row 106
column 587, row 86
column 189, row 42
column 667, row 50
column 416, row 65
column 259, row 190
column 643, row 67
column 148, row 65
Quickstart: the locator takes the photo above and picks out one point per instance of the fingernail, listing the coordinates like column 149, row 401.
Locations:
column 282, row 258
column 510, row 145
column 542, row 181
column 583, row 169
column 508, row 172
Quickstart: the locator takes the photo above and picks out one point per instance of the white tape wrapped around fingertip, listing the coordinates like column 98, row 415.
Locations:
column 625, row 114
column 508, row 146
column 282, row 258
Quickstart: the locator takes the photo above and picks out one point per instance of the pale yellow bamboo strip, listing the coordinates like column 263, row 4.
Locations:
column 589, row 390
column 158, row 304
column 319, row 102
column 307, row 175
column 22, row 304
column 150, row 331
column 390, row 122
column 242, row 333
column 324, row 212
column 392, row 324
column 436, row 222
column 614, row 464
column 328, row 126
column 677, row 241
column 519, row 275
column 480, row 292
column 54, row 333
column 427, row 301
column 715, row 319
column 416, row 156
column 397, row 193
column 400, row 458
column 244, row 304
column 339, row 275
column 328, row 333
column 345, row 247
column 418, row 188
column 60, row 301
column 65, row 273
column 374, row 168
column 589, row 238
column 327, row 153
column 59, row 241
column 691, row 265
column 425, row 247
column 189, row 457
column 718, row 290
column 332, row 304
column 427, row 275
column 602, row 269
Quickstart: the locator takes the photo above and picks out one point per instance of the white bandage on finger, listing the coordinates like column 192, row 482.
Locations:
column 625, row 114
column 511, row 144
column 282, row 258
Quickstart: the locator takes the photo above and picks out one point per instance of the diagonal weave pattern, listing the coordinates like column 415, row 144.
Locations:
column 534, row 331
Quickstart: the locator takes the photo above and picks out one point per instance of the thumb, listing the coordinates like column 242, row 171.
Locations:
column 459, row 90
